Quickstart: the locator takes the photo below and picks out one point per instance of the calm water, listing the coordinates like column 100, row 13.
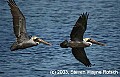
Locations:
column 53, row 20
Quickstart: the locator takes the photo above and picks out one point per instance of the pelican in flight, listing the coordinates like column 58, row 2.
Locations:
column 23, row 40
column 77, row 43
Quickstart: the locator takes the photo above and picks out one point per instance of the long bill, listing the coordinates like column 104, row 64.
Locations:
column 96, row 42
column 44, row 42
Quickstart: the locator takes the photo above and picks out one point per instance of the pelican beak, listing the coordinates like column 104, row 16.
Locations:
column 44, row 42
column 96, row 42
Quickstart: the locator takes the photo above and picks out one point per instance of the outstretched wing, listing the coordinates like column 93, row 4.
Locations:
column 80, row 55
column 19, row 23
column 79, row 28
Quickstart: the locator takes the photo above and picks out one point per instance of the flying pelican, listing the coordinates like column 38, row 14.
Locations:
column 23, row 40
column 77, row 43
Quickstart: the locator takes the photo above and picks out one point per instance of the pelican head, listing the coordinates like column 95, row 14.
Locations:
column 87, row 40
column 37, row 40
column 92, row 41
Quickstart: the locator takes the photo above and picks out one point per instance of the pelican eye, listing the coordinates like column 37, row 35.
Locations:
column 36, row 40
column 88, row 40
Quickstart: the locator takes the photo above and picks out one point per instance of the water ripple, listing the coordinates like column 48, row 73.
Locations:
column 53, row 20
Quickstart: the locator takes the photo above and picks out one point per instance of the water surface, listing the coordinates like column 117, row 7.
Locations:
column 53, row 20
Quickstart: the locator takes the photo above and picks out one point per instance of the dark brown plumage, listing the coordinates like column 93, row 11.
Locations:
column 19, row 22
column 19, row 26
column 79, row 28
column 77, row 35
column 77, row 43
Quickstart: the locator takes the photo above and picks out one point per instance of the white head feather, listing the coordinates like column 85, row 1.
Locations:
column 33, row 38
column 89, row 43
column 86, row 39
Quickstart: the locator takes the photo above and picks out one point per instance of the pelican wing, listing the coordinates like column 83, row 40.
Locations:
column 79, row 28
column 80, row 55
column 19, row 23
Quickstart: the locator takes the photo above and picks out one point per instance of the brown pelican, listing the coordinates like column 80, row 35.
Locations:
column 19, row 25
column 77, row 43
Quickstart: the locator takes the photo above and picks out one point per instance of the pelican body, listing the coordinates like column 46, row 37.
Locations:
column 33, row 41
column 74, row 44
column 23, row 40
column 78, row 43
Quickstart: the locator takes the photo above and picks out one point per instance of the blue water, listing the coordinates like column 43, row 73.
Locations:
column 53, row 20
